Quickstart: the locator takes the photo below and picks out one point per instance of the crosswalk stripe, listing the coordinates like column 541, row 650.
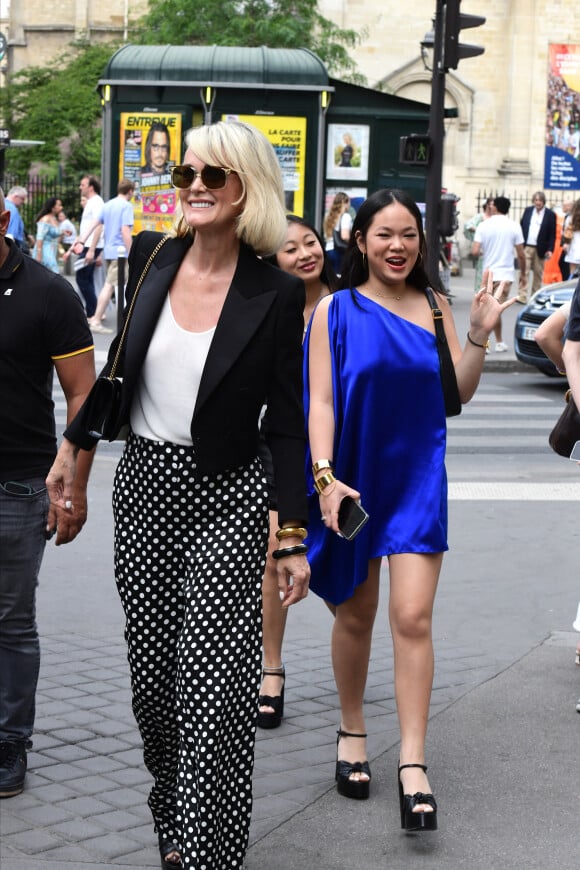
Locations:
column 467, row 424
column 498, row 398
column 513, row 491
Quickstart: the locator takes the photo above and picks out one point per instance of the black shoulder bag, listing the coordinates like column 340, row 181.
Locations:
column 103, row 404
column 446, row 367
column 566, row 432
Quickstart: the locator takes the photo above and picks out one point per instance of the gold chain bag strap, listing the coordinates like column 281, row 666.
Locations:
column 103, row 404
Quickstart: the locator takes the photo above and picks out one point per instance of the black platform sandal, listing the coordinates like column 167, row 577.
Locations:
column 411, row 821
column 267, row 719
column 359, row 789
column 166, row 848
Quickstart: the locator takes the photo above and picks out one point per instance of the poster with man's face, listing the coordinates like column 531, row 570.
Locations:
column 150, row 146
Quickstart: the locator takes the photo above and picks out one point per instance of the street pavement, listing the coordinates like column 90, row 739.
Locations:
column 503, row 741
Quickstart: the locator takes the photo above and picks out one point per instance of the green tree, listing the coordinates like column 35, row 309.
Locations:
column 275, row 23
column 59, row 105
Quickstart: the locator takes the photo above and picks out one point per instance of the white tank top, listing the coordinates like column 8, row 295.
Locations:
column 169, row 383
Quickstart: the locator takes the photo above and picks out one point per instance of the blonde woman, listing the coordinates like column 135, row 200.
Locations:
column 215, row 334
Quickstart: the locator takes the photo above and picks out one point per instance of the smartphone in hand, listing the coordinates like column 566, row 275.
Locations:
column 351, row 518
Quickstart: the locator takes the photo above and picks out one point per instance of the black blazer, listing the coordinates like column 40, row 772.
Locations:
column 255, row 359
column 547, row 235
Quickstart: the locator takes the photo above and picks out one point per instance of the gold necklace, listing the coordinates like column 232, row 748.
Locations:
column 372, row 292
column 384, row 296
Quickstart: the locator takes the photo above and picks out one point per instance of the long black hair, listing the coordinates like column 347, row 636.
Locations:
column 328, row 275
column 355, row 268
column 47, row 207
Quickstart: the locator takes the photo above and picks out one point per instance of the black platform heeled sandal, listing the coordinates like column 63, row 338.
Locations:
column 359, row 789
column 166, row 848
column 273, row 718
column 411, row 821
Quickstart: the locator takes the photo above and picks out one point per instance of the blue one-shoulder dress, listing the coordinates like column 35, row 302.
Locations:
column 390, row 438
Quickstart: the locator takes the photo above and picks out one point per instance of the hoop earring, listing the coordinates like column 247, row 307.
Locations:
column 419, row 259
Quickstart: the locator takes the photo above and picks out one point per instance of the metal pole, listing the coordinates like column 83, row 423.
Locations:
column 107, row 147
column 436, row 133
column 121, row 261
column 317, row 217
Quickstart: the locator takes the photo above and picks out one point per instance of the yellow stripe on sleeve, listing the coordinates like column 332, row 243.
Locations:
column 74, row 353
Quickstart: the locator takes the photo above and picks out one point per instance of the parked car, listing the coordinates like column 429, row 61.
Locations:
column 543, row 303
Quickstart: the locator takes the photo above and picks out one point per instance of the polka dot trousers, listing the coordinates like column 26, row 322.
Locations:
column 189, row 557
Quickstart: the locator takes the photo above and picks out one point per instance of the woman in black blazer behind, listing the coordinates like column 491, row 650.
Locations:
column 214, row 336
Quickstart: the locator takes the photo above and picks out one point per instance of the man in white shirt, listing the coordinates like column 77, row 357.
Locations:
column 496, row 239
column 93, row 210
column 117, row 219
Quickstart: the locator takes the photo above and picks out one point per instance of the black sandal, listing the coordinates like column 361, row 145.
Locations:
column 411, row 821
column 273, row 719
column 166, row 847
column 359, row 789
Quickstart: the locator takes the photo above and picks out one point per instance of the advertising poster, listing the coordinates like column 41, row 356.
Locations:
column 288, row 136
column 150, row 145
column 562, row 163
column 347, row 152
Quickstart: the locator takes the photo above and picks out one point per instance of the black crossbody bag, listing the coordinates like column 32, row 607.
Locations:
column 446, row 367
column 103, row 404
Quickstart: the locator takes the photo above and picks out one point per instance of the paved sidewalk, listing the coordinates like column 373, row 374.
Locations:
column 506, row 767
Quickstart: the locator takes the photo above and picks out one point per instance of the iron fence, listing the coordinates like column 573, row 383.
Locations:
column 39, row 190
column 521, row 200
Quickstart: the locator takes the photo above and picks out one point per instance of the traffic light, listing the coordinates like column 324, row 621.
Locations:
column 447, row 223
column 414, row 150
column 455, row 21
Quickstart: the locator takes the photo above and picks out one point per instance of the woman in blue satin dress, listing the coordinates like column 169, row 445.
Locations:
column 377, row 432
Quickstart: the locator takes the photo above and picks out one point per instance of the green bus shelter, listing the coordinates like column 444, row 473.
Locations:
column 328, row 135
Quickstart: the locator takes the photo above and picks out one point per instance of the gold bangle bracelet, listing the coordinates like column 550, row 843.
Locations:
column 291, row 532
column 323, row 481
column 322, row 463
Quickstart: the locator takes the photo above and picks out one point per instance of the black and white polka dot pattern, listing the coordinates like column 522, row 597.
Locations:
column 189, row 557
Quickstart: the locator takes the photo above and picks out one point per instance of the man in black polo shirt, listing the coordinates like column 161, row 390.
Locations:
column 42, row 328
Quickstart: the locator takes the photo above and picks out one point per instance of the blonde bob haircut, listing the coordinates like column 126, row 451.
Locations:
column 242, row 148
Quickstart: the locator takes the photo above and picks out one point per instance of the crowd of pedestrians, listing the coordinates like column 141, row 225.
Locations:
column 274, row 382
